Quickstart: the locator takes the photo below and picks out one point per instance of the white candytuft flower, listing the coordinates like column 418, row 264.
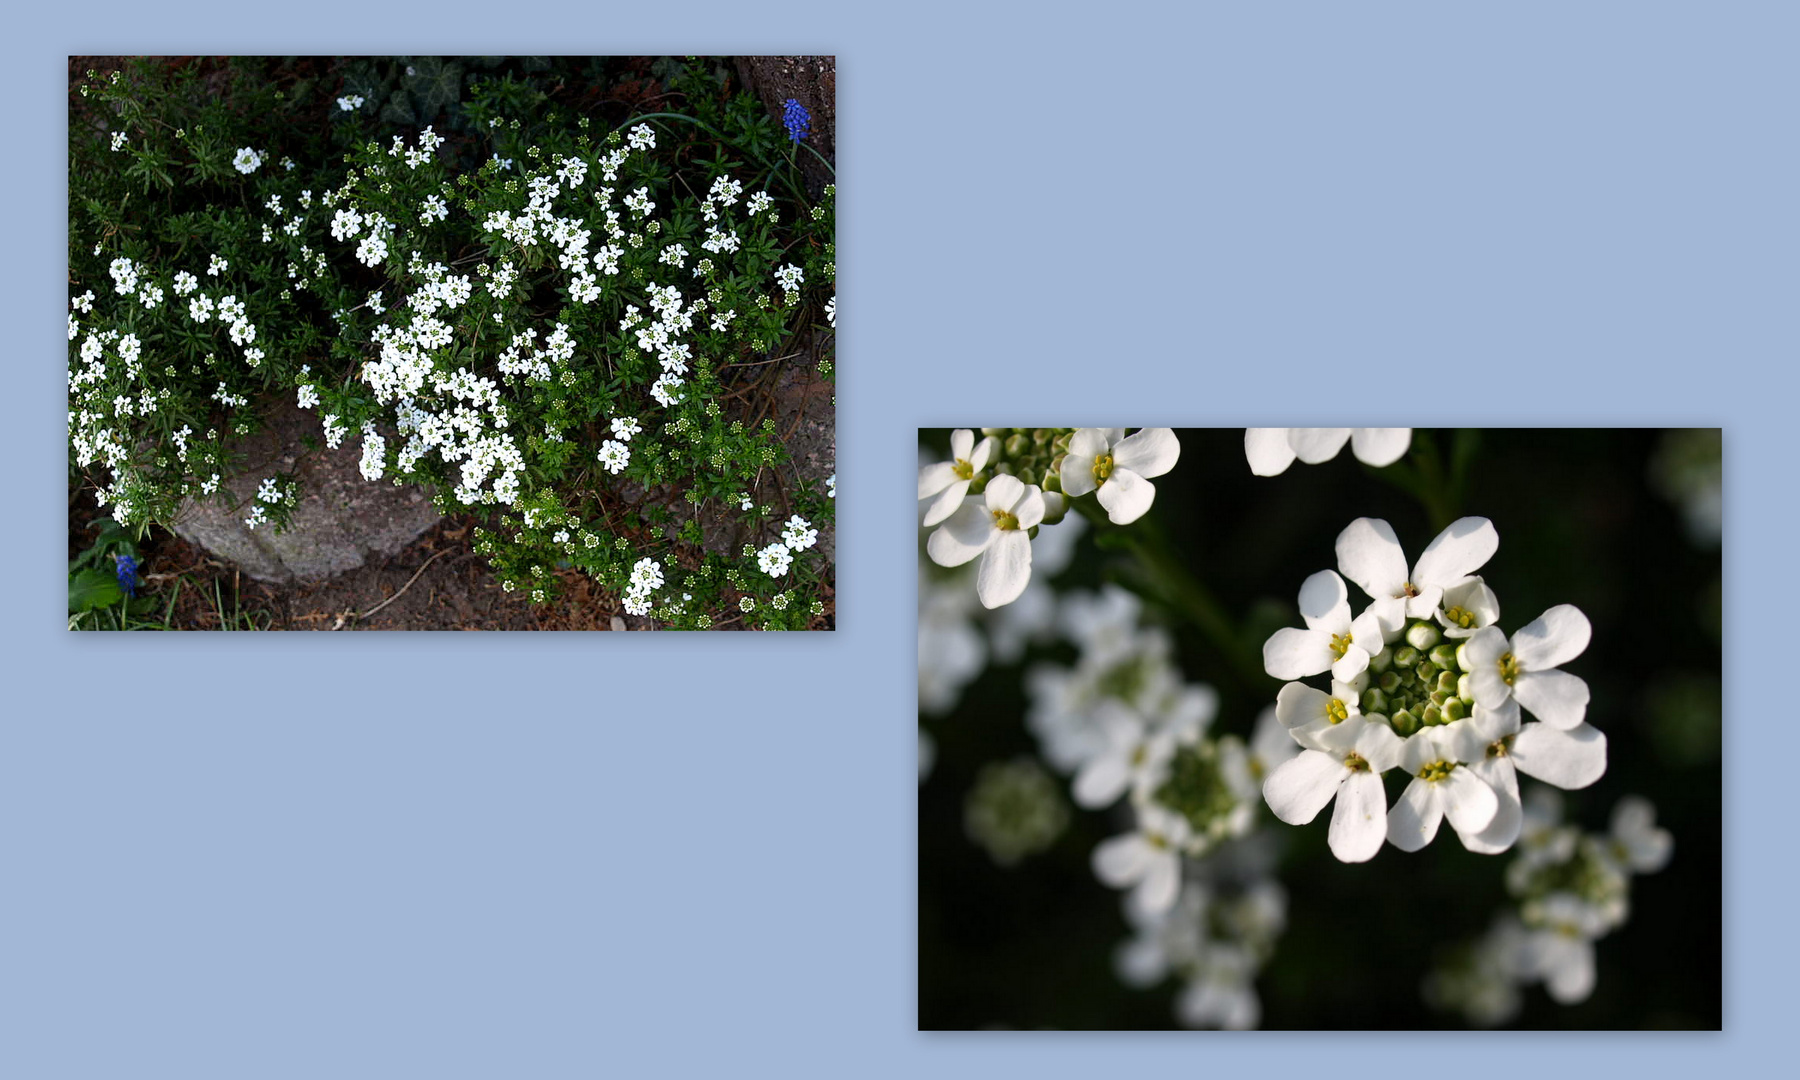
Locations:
column 994, row 526
column 1117, row 467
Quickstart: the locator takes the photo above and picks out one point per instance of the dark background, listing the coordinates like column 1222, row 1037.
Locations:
column 1581, row 522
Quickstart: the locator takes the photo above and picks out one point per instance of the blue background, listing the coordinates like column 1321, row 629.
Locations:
column 539, row 856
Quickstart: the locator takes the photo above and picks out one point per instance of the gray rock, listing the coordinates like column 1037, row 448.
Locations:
column 342, row 521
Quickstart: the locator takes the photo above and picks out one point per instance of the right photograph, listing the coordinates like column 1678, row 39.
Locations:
column 1320, row 728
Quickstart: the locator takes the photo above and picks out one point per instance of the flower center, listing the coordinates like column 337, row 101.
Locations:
column 1460, row 616
column 1412, row 687
column 1355, row 762
column 1340, row 645
column 1336, row 712
column 1198, row 791
column 1436, row 771
column 1005, row 520
column 1409, row 590
column 1103, row 468
column 1138, row 755
column 963, row 469
column 1509, row 668
column 1498, row 748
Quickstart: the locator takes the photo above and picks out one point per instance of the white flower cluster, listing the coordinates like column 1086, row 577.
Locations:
column 119, row 139
column 1216, row 937
column 1271, row 450
column 247, row 161
column 993, row 518
column 1424, row 680
column 614, row 455
column 646, row 578
column 1572, row 889
column 350, row 103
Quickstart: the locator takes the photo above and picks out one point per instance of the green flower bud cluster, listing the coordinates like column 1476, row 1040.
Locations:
column 1015, row 809
column 1586, row 872
column 1031, row 454
column 1199, row 788
column 1417, row 682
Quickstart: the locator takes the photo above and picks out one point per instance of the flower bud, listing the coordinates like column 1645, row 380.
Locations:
column 1052, row 481
column 1406, row 657
column 1056, row 507
column 1004, row 468
column 1447, row 683
column 1016, row 444
column 1454, row 709
column 1465, row 688
column 1422, row 636
column 1427, row 673
column 978, row 484
column 1040, row 436
column 1382, row 660
column 1389, row 681
column 1444, row 656
column 1433, row 716
column 1374, row 701
column 1405, row 723
column 1462, row 657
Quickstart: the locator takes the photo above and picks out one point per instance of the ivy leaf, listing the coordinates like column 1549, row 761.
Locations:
column 399, row 109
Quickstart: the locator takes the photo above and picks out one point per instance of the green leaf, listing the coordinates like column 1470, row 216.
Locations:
column 92, row 589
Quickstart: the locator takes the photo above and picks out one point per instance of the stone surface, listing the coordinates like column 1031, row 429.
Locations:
column 342, row 521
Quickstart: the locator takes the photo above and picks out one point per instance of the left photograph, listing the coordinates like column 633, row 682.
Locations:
column 452, row 343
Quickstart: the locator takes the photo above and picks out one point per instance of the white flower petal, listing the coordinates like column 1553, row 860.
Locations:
column 1313, row 445
column 1380, row 747
column 984, row 452
column 1483, row 651
column 1101, row 781
column 1292, row 653
column 1126, row 496
column 962, row 443
column 1321, row 595
column 1413, row 821
column 1359, row 824
column 1268, row 450
column 1569, row 759
column 1555, row 697
column 1552, row 639
column 1380, row 446
column 1150, row 452
column 1369, row 554
column 947, row 503
column 936, row 477
column 966, row 534
column 1502, row 832
column 1030, row 507
column 1077, row 474
column 1300, row 787
column 1353, row 663
column 1161, row 886
column 1005, row 569
column 1299, row 704
column 1458, row 551
column 1089, row 442
column 1570, row 979
column 1468, row 803
column 1004, row 492
column 1123, row 860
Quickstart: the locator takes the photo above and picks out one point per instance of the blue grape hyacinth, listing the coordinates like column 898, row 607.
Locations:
column 127, row 574
column 797, row 120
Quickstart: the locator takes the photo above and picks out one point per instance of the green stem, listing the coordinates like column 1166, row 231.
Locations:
column 1168, row 580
